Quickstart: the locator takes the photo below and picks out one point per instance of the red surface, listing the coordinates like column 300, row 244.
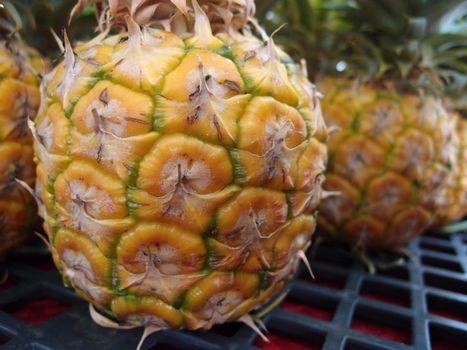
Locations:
column 309, row 310
column 383, row 331
column 279, row 341
column 39, row 311
column 389, row 299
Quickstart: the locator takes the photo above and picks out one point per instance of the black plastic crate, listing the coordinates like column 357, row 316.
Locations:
column 420, row 305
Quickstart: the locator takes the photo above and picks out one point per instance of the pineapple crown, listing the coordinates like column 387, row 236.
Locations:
column 413, row 44
column 182, row 17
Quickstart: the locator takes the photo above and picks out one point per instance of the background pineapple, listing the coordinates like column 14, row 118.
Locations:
column 180, row 164
column 455, row 204
column 388, row 70
column 20, row 66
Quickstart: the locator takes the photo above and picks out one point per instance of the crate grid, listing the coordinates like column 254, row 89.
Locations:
column 419, row 305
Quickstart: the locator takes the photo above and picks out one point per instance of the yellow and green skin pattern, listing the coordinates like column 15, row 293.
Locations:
column 391, row 160
column 455, row 204
column 179, row 179
column 19, row 100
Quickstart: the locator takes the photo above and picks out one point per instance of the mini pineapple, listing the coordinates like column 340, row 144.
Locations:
column 455, row 200
column 388, row 71
column 19, row 100
column 393, row 162
column 180, row 164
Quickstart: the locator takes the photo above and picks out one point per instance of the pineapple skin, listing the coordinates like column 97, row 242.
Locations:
column 393, row 158
column 454, row 207
column 19, row 100
column 178, row 179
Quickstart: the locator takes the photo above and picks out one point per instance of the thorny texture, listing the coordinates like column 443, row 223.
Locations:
column 178, row 177
column 19, row 100
column 394, row 159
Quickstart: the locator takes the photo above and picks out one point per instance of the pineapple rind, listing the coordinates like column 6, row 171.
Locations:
column 19, row 100
column 454, row 205
column 391, row 159
column 181, row 182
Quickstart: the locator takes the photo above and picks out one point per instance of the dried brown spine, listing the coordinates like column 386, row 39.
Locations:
column 178, row 16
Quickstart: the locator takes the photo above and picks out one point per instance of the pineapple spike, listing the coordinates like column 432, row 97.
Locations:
column 69, row 54
column 271, row 306
column 57, row 40
column 43, row 239
column 182, row 6
column 70, row 60
column 148, row 330
column 260, row 324
column 249, row 321
column 301, row 254
column 134, row 34
column 227, row 17
column 207, row 94
column 272, row 49
column 36, row 198
column 27, row 188
column 106, row 322
column 202, row 25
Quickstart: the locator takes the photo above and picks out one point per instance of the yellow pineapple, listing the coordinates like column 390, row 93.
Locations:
column 19, row 100
column 393, row 158
column 388, row 71
column 180, row 164
column 454, row 205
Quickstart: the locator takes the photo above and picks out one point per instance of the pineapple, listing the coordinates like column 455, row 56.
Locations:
column 392, row 161
column 179, row 164
column 387, row 69
column 19, row 100
column 455, row 200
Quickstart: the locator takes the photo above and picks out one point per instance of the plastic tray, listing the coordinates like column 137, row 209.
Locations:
column 421, row 305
